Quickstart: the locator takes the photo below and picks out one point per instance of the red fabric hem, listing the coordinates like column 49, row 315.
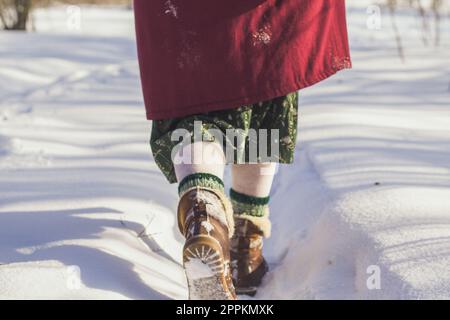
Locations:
column 238, row 102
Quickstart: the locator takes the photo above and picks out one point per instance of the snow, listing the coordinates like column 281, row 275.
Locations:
column 85, row 212
column 208, row 226
column 197, row 269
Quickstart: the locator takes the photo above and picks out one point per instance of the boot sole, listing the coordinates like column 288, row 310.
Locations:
column 203, row 262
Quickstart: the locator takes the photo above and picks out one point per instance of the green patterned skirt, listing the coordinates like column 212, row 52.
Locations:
column 262, row 132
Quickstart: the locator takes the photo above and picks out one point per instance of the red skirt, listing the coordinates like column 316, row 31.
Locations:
column 198, row 56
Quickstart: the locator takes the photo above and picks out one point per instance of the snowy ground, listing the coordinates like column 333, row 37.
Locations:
column 85, row 213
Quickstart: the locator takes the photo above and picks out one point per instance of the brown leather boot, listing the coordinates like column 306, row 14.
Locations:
column 247, row 262
column 205, row 219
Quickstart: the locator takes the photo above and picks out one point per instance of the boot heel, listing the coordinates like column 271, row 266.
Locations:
column 205, row 268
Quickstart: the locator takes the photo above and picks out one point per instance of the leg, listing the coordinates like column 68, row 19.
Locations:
column 205, row 214
column 250, row 198
column 253, row 179
column 199, row 158
column 205, row 219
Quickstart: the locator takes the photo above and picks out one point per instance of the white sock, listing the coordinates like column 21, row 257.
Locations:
column 200, row 157
column 253, row 179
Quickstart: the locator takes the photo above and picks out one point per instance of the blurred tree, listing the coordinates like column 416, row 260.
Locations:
column 14, row 14
column 430, row 12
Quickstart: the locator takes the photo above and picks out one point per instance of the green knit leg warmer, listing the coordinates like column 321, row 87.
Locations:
column 205, row 180
column 248, row 205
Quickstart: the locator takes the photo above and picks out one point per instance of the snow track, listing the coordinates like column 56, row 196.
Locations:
column 85, row 212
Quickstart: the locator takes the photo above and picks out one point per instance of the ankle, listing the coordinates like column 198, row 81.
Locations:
column 254, row 209
column 202, row 180
column 248, row 205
